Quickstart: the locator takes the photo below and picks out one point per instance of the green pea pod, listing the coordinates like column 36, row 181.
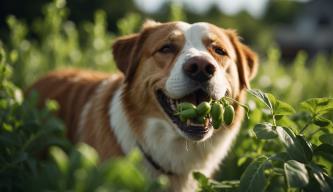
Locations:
column 200, row 119
column 229, row 114
column 182, row 119
column 216, row 111
column 187, row 114
column 217, row 123
column 217, row 115
column 185, row 105
column 203, row 108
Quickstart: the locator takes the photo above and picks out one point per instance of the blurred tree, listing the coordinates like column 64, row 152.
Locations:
column 279, row 12
column 80, row 10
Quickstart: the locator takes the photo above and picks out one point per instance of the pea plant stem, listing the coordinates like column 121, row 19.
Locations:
column 240, row 104
column 313, row 133
column 306, row 126
column 274, row 120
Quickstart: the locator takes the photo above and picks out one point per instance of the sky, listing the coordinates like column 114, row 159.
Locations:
column 256, row 8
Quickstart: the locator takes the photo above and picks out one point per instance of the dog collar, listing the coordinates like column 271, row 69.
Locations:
column 153, row 163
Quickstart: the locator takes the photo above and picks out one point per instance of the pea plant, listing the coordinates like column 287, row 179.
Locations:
column 305, row 160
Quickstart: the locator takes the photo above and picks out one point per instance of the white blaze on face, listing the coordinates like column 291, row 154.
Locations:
column 178, row 84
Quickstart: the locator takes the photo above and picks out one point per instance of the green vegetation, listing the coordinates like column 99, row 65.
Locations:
column 296, row 159
column 278, row 148
column 35, row 156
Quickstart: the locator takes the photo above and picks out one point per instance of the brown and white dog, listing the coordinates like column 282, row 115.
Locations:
column 164, row 64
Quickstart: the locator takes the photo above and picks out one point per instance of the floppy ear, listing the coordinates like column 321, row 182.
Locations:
column 122, row 51
column 150, row 23
column 127, row 49
column 247, row 60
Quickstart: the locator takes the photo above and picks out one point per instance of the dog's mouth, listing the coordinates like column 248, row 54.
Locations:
column 191, row 128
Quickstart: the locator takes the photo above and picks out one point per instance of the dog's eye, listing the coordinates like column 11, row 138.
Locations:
column 220, row 51
column 167, row 48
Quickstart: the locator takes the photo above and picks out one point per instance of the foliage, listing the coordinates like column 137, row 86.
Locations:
column 302, row 162
column 59, row 43
column 296, row 81
column 36, row 156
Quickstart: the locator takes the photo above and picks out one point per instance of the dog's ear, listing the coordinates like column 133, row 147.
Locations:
column 247, row 60
column 150, row 23
column 122, row 50
column 127, row 50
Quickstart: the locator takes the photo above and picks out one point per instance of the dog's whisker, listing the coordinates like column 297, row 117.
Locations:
column 186, row 146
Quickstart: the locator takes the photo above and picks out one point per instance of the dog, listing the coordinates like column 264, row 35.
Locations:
column 162, row 65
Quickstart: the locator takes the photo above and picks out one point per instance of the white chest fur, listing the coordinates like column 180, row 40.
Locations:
column 182, row 156
column 170, row 150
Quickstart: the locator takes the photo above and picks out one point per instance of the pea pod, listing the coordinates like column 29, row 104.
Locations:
column 217, row 123
column 229, row 113
column 217, row 115
column 184, row 106
column 182, row 119
column 203, row 108
column 187, row 114
column 200, row 119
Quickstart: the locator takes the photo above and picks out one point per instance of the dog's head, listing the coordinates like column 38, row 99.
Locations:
column 168, row 63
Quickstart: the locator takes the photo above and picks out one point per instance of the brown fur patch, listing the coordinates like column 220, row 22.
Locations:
column 95, row 120
column 247, row 60
column 73, row 89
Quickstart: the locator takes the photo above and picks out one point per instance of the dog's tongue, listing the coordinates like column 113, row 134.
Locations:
column 196, row 97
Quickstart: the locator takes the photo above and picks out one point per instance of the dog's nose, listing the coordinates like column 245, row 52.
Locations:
column 199, row 69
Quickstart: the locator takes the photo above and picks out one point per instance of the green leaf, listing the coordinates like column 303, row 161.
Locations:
column 306, row 146
column 319, row 175
column 318, row 106
column 322, row 122
column 285, row 135
column 265, row 131
column 325, row 150
column 293, row 146
column 226, row 184
column 61, row 158
column 253, row 179
column 296, row 174
column 89, row 154
column 329, row 181
column 281, row 156
column 52, row 105
column 278, row 107
column 262, row 97
column 201, row 178
column 309, row 105
column 282, row 108
column 272, row 99
column 327, row 139
column 242, row 160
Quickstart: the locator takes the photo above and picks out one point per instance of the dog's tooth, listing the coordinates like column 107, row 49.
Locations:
column 188, row 122
column 173, row 107
column 196, row 124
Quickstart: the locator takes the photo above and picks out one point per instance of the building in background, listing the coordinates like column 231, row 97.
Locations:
column 311, row 30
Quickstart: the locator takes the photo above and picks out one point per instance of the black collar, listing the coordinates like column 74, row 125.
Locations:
column 153, row 163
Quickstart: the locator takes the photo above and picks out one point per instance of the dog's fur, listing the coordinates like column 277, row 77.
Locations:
column 115, row 113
